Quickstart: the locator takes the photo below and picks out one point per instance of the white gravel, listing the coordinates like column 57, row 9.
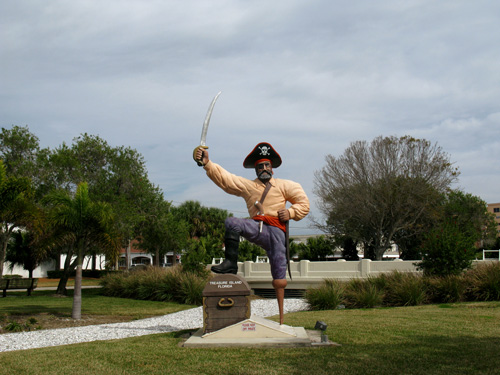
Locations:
column 188, row 319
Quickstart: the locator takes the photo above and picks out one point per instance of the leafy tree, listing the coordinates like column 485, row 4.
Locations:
column 116, row 175
column 447, row 250
column 468, row 212
column 410, row 247
column 376, row 192
column 294, row 248
column 161, row 232
column 16, row 208
column 191, row 213
column 496, row 244
column 316, row 248
column 24, row 250
column 200, row 252
column 471, row 215
column 82, row 224
column 249, row 251
column 450, row 246
column 349, row 248
column 23, row 157
column 202, row 221
column 19, row 149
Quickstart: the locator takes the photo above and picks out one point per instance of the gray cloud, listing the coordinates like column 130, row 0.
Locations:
column 308, row 77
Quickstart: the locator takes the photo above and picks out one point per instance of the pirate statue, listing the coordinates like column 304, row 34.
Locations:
column 266, row 198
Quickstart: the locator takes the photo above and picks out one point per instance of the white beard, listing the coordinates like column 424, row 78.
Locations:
column 264, row 176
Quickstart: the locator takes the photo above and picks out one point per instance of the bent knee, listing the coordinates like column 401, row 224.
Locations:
column 231, row 223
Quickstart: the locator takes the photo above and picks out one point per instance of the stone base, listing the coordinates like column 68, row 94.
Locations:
column 256, row 332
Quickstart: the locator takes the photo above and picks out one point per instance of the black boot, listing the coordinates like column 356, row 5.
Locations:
column 230, row 264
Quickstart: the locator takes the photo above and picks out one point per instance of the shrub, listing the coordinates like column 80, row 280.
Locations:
column 404, row 289
column 381, row 281
column 328, row 296
column 147, row 283
column 446, row 289
column 130, row 284
column 483, row 282
column 191, row 288
column 169, row 285
column 363, row 294
column 112, row 284
column 13, row 326
column 157, row 284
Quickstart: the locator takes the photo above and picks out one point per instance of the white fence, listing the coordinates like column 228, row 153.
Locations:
column 307, row 274
column 490, row 251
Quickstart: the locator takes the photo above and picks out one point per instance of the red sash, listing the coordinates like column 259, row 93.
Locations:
column 271, row 220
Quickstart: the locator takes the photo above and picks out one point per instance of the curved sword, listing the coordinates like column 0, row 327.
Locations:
column 203, row 138
column 204, row 130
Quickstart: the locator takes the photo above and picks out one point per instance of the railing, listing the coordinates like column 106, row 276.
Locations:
column 262, row 259
column 490, row 251
column 306, row 274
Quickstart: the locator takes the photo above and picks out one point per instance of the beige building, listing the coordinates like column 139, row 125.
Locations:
column 494, row 208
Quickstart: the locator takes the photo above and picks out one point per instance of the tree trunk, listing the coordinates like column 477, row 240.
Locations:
column 77, row 296
column 5, row 233
column 58, row 261
column 3, row 250
column 68, row 267
column 127, row 256
column 381, row 249
column 157, row 257
column 369, row 252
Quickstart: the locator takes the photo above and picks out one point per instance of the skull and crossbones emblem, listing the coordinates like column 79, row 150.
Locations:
column 265, row 150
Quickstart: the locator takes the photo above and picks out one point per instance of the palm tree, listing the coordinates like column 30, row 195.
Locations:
column 24, row 250
column 82, row 225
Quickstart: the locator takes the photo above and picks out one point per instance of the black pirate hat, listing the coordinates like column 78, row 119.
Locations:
column 263, row 151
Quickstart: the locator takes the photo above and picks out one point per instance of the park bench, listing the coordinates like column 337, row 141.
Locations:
column 18, row 283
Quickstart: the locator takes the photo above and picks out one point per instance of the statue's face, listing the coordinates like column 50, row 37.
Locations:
column 264, row 171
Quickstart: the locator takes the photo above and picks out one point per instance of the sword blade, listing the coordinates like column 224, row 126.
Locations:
column 204, row 130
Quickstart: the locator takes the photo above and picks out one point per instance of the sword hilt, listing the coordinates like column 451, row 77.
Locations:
column 199, row 161
column 259, row 207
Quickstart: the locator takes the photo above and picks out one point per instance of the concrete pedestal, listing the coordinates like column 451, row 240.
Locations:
column 256, row 332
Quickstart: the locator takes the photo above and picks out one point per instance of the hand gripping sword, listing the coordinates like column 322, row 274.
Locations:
column 204, row 130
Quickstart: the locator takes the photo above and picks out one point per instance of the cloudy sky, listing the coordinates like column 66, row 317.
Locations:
column 309, row 77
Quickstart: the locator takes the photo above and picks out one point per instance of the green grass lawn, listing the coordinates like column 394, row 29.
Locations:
column 432, row 339
column 44, row 282
column 93, row 303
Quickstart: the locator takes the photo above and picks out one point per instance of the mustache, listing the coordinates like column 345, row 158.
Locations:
column 260, row 175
